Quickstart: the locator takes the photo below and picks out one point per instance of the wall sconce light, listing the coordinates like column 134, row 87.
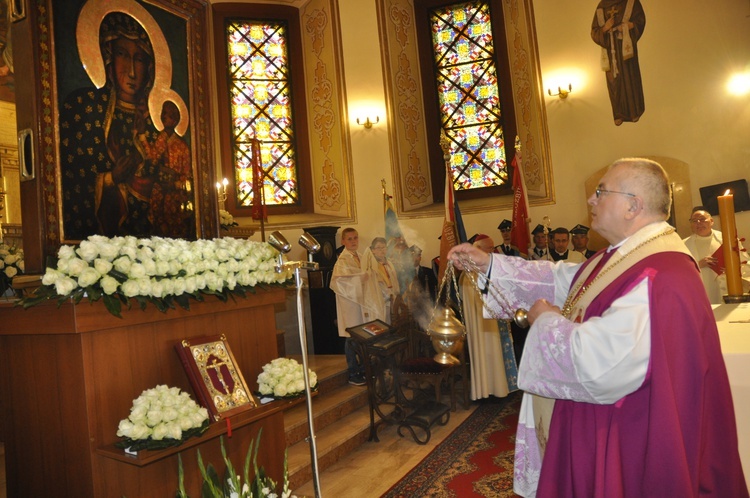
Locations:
column 561, row 92
column 367, row 123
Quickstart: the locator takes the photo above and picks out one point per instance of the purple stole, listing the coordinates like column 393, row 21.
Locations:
column 673, row 436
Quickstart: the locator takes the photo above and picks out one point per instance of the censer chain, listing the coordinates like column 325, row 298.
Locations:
column 520, row 316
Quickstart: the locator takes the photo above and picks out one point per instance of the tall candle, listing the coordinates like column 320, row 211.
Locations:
column 731, row 248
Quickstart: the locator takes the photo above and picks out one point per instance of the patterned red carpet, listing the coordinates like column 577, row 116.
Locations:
column 475, row 460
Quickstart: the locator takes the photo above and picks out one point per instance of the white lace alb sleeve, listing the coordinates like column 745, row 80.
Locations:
column 598, row 361
column 517, row 283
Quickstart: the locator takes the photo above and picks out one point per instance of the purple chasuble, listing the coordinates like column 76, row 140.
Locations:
column 675, row 436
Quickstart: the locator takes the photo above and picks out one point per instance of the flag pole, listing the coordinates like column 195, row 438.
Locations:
column 449, row 237
column 386, row 197
column 519, row 235
column 258, row 195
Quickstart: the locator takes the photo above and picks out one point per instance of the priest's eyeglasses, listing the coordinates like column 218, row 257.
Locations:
column 601, row 191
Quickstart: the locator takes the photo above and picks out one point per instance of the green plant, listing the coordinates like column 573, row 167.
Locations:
column 233, row 485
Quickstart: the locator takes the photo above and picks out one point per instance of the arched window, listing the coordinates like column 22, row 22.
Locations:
column 288, row 88
column 469, row 69
column 261, row 95
column 466, row 83
column 260, row 106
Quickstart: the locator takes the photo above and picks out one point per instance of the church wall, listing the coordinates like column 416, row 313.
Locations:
column 688, row 51
column 687, row 54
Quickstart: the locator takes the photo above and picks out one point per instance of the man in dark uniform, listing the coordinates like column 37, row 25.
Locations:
column 540, row 250
column 580, row 238
column 506, row 247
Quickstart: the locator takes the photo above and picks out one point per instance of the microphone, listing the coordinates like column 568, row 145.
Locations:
column 308, row 242
column 279, row 242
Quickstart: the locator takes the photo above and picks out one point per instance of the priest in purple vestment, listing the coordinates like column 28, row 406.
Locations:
column 626, row 391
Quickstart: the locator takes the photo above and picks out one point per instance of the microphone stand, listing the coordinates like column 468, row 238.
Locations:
column 297, row 266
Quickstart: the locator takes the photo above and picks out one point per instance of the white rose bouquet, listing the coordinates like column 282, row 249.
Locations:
column 161, row 271
column 161, row 417
column 226, row 220
column 11, row 264
column 283, row 378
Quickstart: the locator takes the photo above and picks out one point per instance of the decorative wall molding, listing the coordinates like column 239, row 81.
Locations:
column 329, row 147
column 409, row 156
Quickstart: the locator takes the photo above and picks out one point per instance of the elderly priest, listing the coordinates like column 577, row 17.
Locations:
column 626, row 390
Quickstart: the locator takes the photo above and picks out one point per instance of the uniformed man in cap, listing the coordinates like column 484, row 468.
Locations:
column 541, row 248
column 580, row 239
column 506, row 247
column 560, row 251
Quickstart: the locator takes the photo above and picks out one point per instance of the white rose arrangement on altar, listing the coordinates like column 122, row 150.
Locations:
column 11, row 264
column 158, row 270
column 160, row 418
column 283, row 378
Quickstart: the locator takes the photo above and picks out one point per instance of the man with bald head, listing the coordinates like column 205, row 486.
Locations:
column 626, row 392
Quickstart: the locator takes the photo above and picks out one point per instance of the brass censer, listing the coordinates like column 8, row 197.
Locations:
column 447, row 334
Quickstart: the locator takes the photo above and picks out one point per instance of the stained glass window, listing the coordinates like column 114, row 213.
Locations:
column 260, row 104
column 468, row 94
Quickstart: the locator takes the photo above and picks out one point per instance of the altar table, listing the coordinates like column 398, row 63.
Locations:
column 733, row 321
column 69, row 374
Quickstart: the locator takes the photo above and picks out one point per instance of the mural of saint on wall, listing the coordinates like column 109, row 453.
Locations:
column 125, row 161
column 617, row 27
